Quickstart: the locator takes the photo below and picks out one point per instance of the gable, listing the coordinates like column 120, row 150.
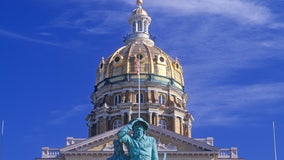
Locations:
column 167, row 141
column 92, row 143
column 183, row 143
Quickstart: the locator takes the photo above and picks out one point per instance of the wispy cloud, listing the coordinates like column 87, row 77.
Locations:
column 25, row 38
column 274, row 44
column 277, row 25
column 91, row 21
column 242, row 11
column 225, row 105
column 59, row 117
column 213, row 61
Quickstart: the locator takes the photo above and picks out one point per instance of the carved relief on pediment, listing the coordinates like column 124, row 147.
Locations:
column 164, row 147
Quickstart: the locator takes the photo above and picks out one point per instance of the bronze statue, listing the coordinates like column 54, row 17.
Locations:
column 140, row 146
column 118, row 152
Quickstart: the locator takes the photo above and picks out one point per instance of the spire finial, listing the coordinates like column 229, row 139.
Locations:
column 139, row 3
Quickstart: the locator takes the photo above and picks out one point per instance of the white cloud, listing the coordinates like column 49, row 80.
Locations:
column 243, row 11
column 60, row 117
column 94, row 22
column 25, row 38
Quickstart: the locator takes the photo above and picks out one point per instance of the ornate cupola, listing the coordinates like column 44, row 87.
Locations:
column 139, row 22
column 162, row 95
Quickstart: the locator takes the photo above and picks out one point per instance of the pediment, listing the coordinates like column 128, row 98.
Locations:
column 167, row 141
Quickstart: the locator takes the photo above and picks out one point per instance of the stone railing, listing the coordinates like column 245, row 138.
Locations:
column 228, row 153
column 72, row 140
column 208, row 140
column 50, row 153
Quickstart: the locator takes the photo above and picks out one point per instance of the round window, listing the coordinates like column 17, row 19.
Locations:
column 117, row 59
column 162, row 59
column 177, row 66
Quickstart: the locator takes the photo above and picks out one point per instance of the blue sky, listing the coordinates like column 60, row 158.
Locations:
column 231, row 51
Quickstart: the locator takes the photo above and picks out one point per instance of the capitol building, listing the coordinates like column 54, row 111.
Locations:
column 140, row 80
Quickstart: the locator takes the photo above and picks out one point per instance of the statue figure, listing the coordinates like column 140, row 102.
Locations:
column 140, row 146
column 118, row 152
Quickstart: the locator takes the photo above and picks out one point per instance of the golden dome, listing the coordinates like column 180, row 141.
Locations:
column 155, row 65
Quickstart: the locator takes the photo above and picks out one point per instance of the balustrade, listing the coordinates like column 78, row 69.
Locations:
column 228, row 153
column 50, row 152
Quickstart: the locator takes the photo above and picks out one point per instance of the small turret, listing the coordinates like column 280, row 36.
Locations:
column 139, row 22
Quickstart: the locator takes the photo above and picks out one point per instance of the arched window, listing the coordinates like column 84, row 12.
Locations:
column 141, row 98
column 162, row 124
column 116, row 124
column 140, row 26
column 134, row 27
column 162, row 99
column 117, row 99
column 145, row 26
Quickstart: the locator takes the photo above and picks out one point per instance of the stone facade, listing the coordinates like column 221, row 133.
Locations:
column 171, row 144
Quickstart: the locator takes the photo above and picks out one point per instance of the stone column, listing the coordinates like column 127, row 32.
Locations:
column 108, row 122
column 149, row 96
column 181, row 126
column 98, row 127
column 131, row 97
column 154, row 118
column 177, row 125
column 103, row 124
column 158, row 118
column 150, row 117
column 122, row 118
column 129, row 116
column 156, row 97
